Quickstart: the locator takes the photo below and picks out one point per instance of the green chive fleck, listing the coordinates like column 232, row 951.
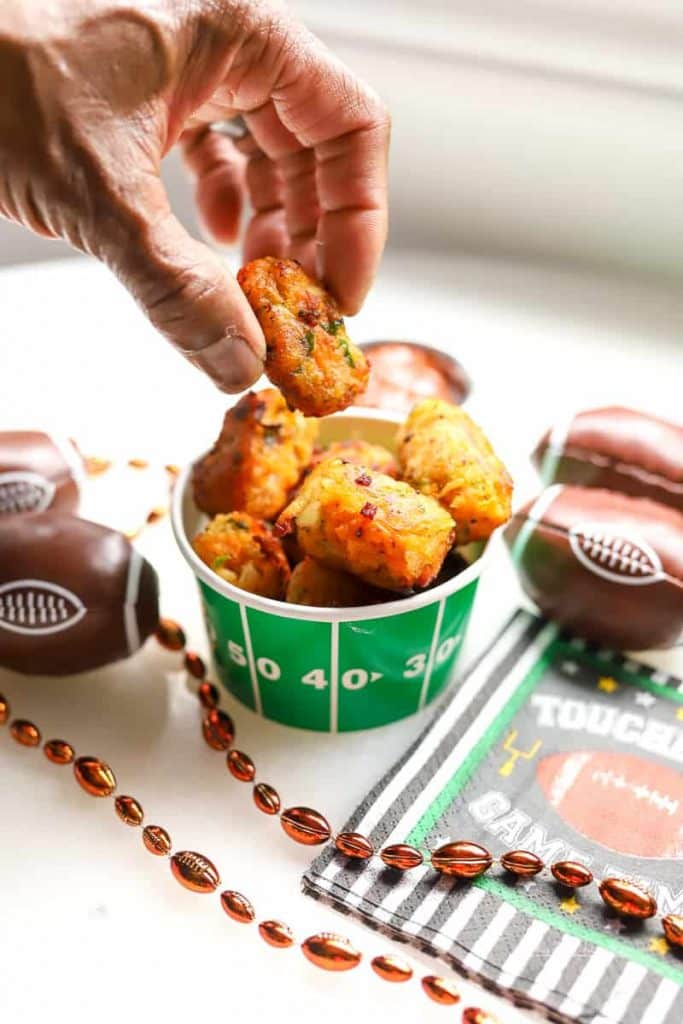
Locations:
column 271, row 434
column 309, row 342
column 238, row 524
column 344, row 346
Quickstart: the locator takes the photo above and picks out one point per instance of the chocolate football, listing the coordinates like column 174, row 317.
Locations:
column 73, row 595
column 37, row 472
column 604, row 565
column 616, row 449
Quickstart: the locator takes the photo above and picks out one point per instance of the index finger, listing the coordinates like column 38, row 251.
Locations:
column 326, row 108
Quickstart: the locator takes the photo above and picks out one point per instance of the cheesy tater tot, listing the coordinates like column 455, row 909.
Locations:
column 313, row 583
column 258, row 459
column 361, row 453
column 365, row 523
column 445, row 455
column 243, row 551
column 309, row 355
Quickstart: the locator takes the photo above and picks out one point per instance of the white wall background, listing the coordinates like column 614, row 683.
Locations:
column 547, row 129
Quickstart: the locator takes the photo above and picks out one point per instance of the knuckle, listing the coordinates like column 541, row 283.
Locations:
column 167, row 301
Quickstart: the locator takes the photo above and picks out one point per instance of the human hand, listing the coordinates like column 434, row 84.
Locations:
column 93, row 93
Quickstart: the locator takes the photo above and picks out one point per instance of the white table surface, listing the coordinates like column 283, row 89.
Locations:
column 91, row 926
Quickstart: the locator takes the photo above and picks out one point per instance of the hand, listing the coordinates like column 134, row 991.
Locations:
column 93, row 93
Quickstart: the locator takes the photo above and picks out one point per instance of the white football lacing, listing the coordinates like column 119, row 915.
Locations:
column 614, row 553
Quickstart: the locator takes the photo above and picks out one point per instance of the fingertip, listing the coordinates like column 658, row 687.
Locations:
column 348, row 255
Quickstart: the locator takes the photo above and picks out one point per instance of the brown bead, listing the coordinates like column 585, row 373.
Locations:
column 441, row 990
column 473, row 1015
column 59, row 751
column 521, row 863
column 462, row 859
column 170, row 635
column 94, row 776
column 353, row 844
column 673, row 929
column 266, row 798
column 391, row 968
column 331, row 952
column 129, row 810
column 195, row 871
column 172, row 469
column 25, row 732
column 240, row 766
column 305, row 826
column 218, row 729
column 156, row 840
column 237, row 906
column 571, row 873
column 401, row 857
column 4, row 709
column 138, row 463
column 94, row 465
column 194, row 665
column 156, row 514
column 627, row 898
column 208, row 695
column 276, row 933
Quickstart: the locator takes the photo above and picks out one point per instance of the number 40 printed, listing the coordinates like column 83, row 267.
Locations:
column 352, row 678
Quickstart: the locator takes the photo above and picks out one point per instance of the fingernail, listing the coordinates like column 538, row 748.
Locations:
column 231, row 363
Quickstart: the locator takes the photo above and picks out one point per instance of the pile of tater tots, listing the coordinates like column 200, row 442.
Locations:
column 350, row 523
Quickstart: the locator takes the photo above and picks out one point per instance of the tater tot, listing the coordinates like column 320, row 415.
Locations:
column 444, row 454
column 243, row 551
column 361, row 453
column 315, row 584
column 368, row 524
column 309, row 355
column 258, row 459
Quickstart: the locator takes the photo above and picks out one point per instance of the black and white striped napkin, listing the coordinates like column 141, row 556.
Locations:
column 572, row 752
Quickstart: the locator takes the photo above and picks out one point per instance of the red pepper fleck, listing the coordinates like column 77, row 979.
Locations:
column 369, row 510
column 281, row 529
column 364, row 480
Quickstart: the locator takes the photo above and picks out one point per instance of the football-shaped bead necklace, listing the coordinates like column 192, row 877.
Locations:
column 462, row 859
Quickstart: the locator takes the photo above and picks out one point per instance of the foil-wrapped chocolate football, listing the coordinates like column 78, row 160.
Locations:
column 618, row 449
column 73, row 595
column 604, row 565
column 37, row 472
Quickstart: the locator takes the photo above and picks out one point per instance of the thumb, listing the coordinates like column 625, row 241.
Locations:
column 187, row 292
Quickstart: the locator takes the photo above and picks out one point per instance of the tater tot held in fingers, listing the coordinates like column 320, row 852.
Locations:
column 309, row 355
column 365, row 523
column 444, row 454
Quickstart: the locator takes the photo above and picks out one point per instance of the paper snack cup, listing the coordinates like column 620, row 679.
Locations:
column 331, row 669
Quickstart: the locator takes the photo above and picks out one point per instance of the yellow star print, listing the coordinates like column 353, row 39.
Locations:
column 660, row 946
column 607, row 684
column 679, row 714
column 570, row 905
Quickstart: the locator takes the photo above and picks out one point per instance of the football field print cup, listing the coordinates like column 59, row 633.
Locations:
column 332, row 669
